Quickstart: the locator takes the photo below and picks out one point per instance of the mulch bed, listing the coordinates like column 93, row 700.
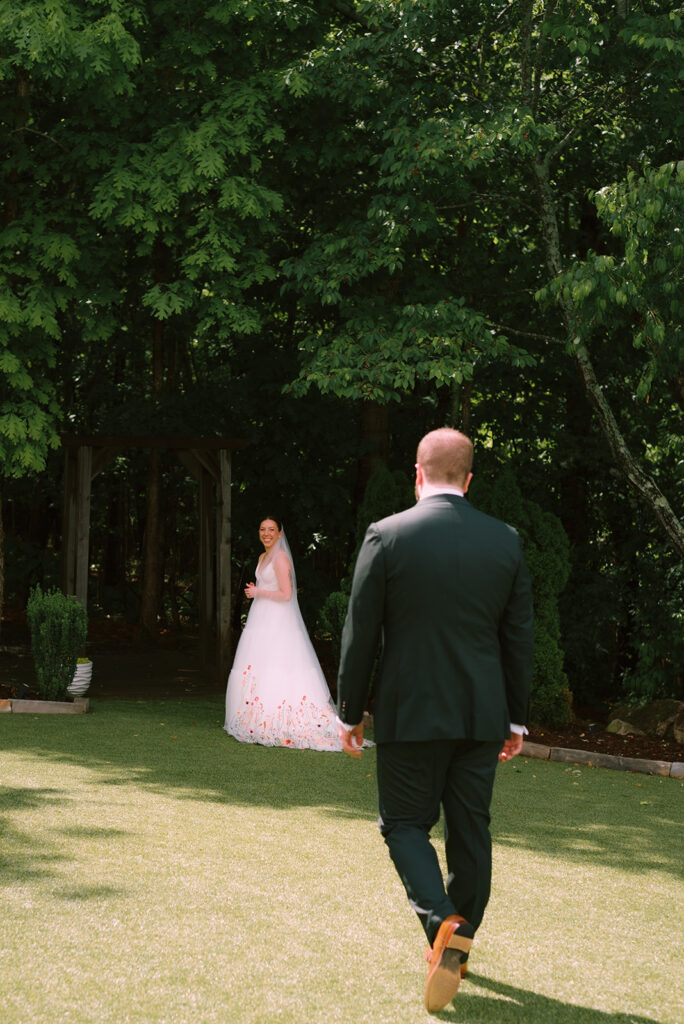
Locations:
column 592, row 736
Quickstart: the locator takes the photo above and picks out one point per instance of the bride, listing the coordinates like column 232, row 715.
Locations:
column 277, row 694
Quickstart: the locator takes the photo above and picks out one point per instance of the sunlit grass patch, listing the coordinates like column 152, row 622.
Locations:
column 154, row 869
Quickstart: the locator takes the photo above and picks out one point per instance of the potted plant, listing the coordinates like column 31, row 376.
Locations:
column 82, row 676
column 58, row 624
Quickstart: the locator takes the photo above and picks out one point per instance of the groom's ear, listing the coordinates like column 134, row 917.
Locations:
column 418, row 482
column 466, row 485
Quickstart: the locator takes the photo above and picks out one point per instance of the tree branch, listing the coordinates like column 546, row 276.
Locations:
column 496, row 196
column 525, row 334
column 34, row 131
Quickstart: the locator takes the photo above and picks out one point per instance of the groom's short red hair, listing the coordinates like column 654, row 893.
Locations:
column 446, row 456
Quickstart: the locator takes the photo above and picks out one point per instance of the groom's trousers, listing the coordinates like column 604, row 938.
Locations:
column 414, row 779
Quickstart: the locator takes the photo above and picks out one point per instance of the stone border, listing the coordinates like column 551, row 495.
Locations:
column 78, row 706
column 673, row 770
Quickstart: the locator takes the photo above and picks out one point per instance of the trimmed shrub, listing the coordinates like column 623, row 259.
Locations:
column 658, row 635
column 59, row 624
column 546, row 549
column 332, row 616
column 386, row 492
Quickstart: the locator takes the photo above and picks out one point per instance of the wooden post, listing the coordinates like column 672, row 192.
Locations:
column 224, row 530
column 84, row 475
column 69, row 522
column 206, row 566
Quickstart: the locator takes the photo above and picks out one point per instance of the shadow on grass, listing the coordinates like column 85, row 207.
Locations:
column 76, row 894
column 178, row 747
column 516, row 1004
column 590, row 815
column 22, row 858
column 94, row 832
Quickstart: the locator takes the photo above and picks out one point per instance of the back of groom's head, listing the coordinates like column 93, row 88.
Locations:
column 446, row 456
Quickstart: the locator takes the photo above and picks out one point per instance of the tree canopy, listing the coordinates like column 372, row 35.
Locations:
column 329, row 228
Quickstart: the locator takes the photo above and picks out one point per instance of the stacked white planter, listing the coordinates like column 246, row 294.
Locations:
column 81, row 681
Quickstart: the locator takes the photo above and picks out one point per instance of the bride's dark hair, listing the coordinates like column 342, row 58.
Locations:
column 273, row 519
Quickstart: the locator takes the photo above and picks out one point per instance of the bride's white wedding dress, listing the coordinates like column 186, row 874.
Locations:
column 277, row 694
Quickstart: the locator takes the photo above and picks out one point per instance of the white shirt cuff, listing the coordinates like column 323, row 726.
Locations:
column 346, row 725
column 520, row 729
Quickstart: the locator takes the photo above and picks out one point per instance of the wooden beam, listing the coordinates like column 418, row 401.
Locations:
column 137, row 441
column 224, row 530
column 209, row 460
column 101, row 458
column 191, row 463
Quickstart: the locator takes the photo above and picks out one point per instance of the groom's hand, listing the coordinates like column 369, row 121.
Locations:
column 511, row 747
column 352, row 740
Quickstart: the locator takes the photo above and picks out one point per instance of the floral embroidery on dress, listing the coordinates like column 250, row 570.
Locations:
column 306, row 724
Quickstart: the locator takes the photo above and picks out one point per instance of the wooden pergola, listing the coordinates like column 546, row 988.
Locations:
column 209, row 461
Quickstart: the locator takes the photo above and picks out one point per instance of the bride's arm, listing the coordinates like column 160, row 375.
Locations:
column 282, row 571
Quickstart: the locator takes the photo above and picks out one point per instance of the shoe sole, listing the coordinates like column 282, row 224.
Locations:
column 444, row 979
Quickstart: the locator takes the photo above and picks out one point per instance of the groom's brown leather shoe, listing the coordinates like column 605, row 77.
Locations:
column 464, row 965
column 449, row 953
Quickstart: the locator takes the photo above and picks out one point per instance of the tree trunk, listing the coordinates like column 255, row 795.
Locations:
column 152, row 553
column 573, row 510
column 152, row 541
column 2, row 566
column 374, row 429
column 647, row 490
column 459, row 407
column 171, row 569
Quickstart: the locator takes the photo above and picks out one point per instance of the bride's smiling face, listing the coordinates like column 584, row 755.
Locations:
column 269, row 533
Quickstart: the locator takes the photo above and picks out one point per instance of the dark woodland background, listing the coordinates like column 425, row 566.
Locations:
column 327, row 229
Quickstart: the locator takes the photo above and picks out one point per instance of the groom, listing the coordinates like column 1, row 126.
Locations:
column 446, row 590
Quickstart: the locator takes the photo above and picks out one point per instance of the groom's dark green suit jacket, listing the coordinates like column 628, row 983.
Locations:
column 443, row 590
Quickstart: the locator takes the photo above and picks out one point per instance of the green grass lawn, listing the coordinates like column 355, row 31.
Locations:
column 153, row 869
